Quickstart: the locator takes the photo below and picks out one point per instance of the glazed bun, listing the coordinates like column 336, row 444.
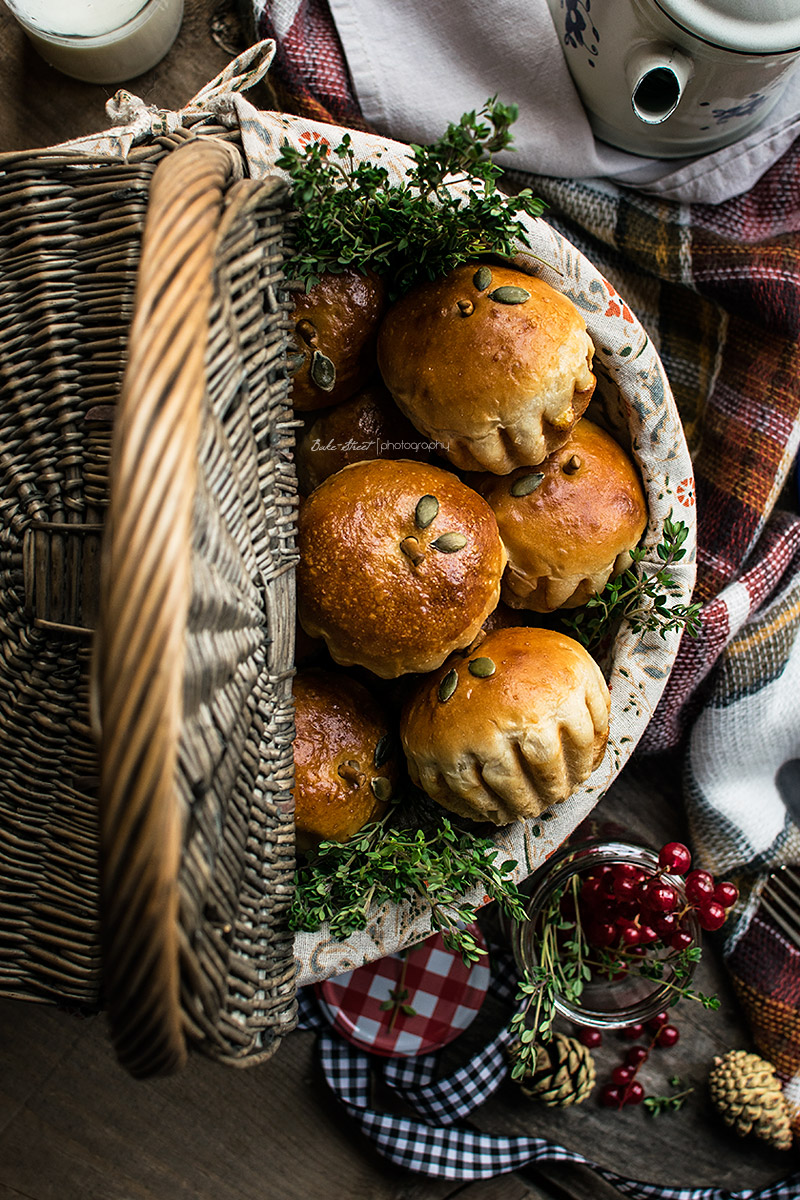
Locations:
column 492, row 363
column 570, row 523
column 344, row 775
column 400, row 563
column 501, row 734
column 368, row 425
column 334, row 337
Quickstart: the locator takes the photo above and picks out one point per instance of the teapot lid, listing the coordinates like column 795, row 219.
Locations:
column 747, row 26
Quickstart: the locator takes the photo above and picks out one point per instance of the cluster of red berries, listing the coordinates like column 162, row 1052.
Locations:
column 624, row 907
column 624, row 1088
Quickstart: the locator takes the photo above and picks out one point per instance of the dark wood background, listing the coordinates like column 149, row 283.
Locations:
column 74, row 1126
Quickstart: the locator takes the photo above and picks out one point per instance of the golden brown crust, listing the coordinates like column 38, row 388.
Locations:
column 341, row 736
column 368, row 425
column 572, row 531
column 384, row 591
column 338, row 319
column 507, row 745
column 499, row 385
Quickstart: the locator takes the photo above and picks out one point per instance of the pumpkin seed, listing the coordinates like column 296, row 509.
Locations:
column 351, row 773
column 448, row 685
column 510, row 294
column 426, row 511
column 306, row 330
column 482, row 278
column 323, row 372
column 526, row 484
column 411, row 548
column 481, row 668
column 449, row 543
column 382, row 747
column 381, row 788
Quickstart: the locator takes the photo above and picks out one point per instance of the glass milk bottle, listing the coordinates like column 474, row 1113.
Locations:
column 100, row 41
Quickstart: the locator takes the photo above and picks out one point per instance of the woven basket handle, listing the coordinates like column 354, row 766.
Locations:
column 145, row 597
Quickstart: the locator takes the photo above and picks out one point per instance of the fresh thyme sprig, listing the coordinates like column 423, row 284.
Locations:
column 655, row 1105
column 349, row 214
column 680, row 963
column 643, row 597
column 562, row 970
column 342, row 882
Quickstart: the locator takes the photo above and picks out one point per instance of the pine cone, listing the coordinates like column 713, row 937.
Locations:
column 748, row 1095
column 564, row 1072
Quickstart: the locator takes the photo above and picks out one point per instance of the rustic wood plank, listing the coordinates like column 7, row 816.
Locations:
column 74, row 1126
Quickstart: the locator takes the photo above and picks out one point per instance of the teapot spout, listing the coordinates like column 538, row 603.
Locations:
column 657, row 76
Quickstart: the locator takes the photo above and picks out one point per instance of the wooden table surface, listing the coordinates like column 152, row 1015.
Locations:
column 74, row 1126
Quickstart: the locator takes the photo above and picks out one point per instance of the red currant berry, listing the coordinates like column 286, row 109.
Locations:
column 681, row 940
column 711, row 915
column 634, row 1093
column 609, row 883
column 626, row 889
column 592, row 1038
column 622, row 1075
column 667, row 1036
column 632, row 1033
column 661, row 897
column 601, row 934
column 591, row 890
column 665, row 924
column 699, row 886
column 675, row 857
column 611, row 1096
column 658, row 1022
column 726, row 894
column 624, row 870
column 636, row 1056
column 629, row 935
column 647, row 935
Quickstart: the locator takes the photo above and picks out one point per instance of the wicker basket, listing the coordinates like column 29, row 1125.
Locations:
column 187, row 808
column 182, row 935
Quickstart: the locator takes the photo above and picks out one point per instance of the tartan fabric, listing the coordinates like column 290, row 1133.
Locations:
column 740, row 820
column 717, row 287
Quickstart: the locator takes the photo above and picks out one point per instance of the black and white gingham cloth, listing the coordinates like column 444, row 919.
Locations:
column 432, row 1146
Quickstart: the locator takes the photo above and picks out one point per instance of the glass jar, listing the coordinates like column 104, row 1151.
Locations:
column 628, row 997
column 100, row 41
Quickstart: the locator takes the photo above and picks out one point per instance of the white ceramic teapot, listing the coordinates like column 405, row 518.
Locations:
column 677, row 78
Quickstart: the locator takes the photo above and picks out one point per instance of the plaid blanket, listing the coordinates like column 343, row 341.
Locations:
column 718, row 290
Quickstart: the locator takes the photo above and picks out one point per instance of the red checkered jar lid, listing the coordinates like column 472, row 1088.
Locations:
column 409, row 1003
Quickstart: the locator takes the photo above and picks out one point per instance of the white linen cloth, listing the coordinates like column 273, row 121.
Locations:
column 416, row 65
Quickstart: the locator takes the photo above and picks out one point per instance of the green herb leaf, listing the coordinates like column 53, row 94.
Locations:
column 645, row 598
column 341, row 883
column 349, row 215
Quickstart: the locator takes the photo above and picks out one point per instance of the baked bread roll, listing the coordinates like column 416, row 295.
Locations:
column 334, row 335
column 344, row 771
column 502, row 734
column 492, row 363
column 368, row 425
column 400, row 563
column 569, row 523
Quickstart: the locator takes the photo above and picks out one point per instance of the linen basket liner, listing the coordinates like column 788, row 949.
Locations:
column 191, row 678
column 637, row 405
